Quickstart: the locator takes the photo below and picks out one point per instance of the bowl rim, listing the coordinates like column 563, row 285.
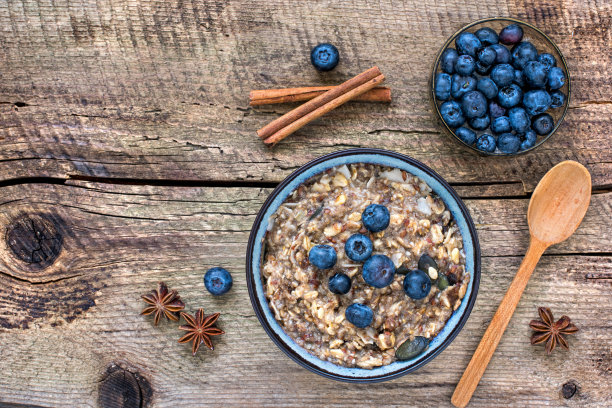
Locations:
column 449, row 42
column 287, row 349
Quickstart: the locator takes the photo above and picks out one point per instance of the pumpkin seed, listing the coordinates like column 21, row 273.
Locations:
column 403, row 269
column 442, row 282
column 411, row 348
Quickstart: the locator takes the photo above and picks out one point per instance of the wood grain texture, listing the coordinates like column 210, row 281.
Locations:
column 120, row 240
column 159, row 90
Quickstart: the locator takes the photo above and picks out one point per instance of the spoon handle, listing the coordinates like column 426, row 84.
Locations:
column 493, row 334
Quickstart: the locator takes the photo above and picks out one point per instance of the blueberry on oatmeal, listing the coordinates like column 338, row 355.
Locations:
column 358, row 247
column 340, row 284
column 359, row 314
column 375, row 217
column 378, row 271
column 322, row 256
column 417, row 284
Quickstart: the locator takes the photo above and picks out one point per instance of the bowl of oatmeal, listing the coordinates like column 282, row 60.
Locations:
column 371, row 319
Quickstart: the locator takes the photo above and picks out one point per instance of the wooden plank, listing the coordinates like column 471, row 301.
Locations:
column 133, row 89
column 71, row 332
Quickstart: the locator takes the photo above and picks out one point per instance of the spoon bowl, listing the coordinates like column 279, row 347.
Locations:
column 559, row 202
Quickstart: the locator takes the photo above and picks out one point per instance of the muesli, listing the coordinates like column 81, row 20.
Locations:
column 327, row 209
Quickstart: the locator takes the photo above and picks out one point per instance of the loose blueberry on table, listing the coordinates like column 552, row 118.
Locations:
column 499, row 83
column 218, row 281
column 324, row 57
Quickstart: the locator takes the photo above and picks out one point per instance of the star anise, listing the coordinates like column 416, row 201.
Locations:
column 551, row 332
column 163, row 302
column 200, row 329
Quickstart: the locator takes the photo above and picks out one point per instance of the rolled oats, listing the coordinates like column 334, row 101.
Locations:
column 327, row 210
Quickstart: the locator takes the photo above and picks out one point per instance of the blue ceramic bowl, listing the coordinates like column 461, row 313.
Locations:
column 255, row 252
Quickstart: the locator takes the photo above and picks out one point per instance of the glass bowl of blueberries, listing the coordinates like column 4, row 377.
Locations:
column 500, row 86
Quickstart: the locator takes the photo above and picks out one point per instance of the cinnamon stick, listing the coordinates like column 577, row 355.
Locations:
column 321, row 110
column 288, row 95
column 313, row 104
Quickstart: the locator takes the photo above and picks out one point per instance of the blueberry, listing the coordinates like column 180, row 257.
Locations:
column 487, row 36
column 519, row 120
column 417, row 284
column 460, row 85
column 556, row 78
column 529, row 139
column 508, row 143
column 537, row 101
column 358, row 247
column 359, row 314
column 486, row 56
column 495, row 110
column 487, row 87
column 468, row 43
column 536, row 74
column 324, row 57
column 447, row 60
column 510, row 96
column 511, row 34
column 378, row 271
column 542, row 124
column 426, row 262
column 480, row 123
column 376, row 217
column 442, row 86
column 502, row 75
column 557, row 98
column 339, row 284
column 322, row 256
column 465, row 65
column 217, row 281
column 486, row 143
column 483, row 69
column 547, row 59
column 451, row 114
column 519, row 78
column 474, row 104
column 501, row 125
column 465, row 134
column 502, row 54
column 522, row 53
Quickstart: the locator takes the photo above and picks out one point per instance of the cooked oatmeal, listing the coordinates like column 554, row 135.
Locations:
column 327, row 210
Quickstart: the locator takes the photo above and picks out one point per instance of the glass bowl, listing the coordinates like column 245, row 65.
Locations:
column 543, row 44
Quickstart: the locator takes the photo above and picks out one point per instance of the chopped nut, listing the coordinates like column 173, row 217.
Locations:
column 462, row 291
column 455, row 256
column 341, row 199
column 339, row 180
column 333, row 230
column 433, row 274
column 355, row 216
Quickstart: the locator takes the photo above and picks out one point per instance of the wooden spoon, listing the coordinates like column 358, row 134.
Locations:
column 556, row 209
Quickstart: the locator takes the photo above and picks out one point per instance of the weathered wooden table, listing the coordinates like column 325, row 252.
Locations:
column 129, row 151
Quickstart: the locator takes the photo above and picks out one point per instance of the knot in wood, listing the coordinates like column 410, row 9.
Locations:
column 123, row 388
column 34, row 239
column 569, row 389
